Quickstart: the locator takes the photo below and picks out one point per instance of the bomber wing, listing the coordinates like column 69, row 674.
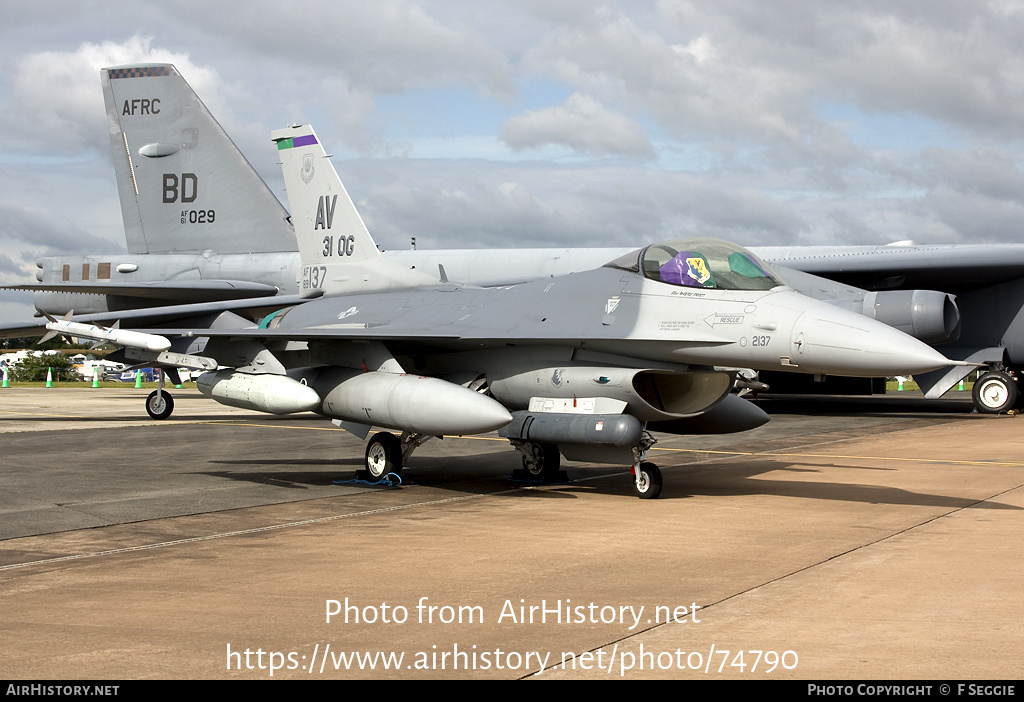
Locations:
column 951, row 268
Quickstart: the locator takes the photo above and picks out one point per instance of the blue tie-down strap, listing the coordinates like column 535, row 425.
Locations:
column 389, row 480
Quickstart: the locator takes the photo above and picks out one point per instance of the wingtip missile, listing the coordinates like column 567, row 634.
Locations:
column 114, row 335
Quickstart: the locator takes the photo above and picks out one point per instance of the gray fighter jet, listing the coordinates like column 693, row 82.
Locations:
column 185, row 189
column 577, row 366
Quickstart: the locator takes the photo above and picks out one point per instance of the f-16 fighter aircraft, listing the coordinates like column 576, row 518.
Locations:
column 577, row 365
column 202, row 226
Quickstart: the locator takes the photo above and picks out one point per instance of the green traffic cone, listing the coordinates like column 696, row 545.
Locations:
column 96, row 376
column 49, row 377
column 6, row 385
column 138, row 379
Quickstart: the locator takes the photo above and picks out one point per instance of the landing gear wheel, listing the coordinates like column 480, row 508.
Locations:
column 383, row 455
column 995, row 392
column 159, row 404
column 647, row 482
column 545, row 463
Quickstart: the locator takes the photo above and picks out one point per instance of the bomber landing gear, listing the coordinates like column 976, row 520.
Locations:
column 995, row 392
column 647, row 483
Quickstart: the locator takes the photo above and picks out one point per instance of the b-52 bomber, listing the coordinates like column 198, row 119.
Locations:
column 580, row 366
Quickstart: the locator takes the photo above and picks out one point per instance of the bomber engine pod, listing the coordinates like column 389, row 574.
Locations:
column 276, row 394
column 414, row 403
column 929, row 315
column 618, row 430
column 649, row 395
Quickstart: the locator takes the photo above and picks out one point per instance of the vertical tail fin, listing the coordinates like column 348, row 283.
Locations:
column 184, row 185
column 336, row 251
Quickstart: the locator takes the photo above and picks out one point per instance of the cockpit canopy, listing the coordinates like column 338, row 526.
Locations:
column 701, row 263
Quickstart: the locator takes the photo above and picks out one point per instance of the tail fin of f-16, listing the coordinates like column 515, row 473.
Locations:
column 184, row 185
column 336, row 252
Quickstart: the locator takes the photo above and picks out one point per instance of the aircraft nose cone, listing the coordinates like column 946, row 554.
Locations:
column 829, row 339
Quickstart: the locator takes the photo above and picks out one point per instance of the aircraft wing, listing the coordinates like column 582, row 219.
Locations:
column 411, row 335
column 252, row 308
column 191, row 290
column 951, row 268
column 543, row 312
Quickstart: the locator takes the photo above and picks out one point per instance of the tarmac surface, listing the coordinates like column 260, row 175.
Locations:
column 864, row 538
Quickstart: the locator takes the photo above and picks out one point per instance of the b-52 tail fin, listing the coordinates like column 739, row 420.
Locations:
column 336, row 252
column 184, row 185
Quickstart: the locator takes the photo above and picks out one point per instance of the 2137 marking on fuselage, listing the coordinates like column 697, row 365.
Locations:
column 313, row 277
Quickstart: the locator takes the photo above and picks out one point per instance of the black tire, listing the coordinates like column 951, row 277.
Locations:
column 995, row 392
column 650, row 482
column 546, row 463
column 159, row 405
column 383, row 455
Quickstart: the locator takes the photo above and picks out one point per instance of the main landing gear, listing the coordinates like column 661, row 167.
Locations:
column 541, row 463
column 159, row 404
column 995, row 392
column 647, row 480
column 383, row 455
column 646, row 475
column 386, row 453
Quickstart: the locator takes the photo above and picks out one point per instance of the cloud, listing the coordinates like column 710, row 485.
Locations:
column 982, row 171
column 583, row 125
column 977, row 217
column 28, row 234
column 388, row 46
column 690, row 88
column 978, row 194
column 759, row 73
column 60, row 90
column 10, row 268
column 467, row 204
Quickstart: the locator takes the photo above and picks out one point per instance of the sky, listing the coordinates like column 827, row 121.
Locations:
column 526, row 123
